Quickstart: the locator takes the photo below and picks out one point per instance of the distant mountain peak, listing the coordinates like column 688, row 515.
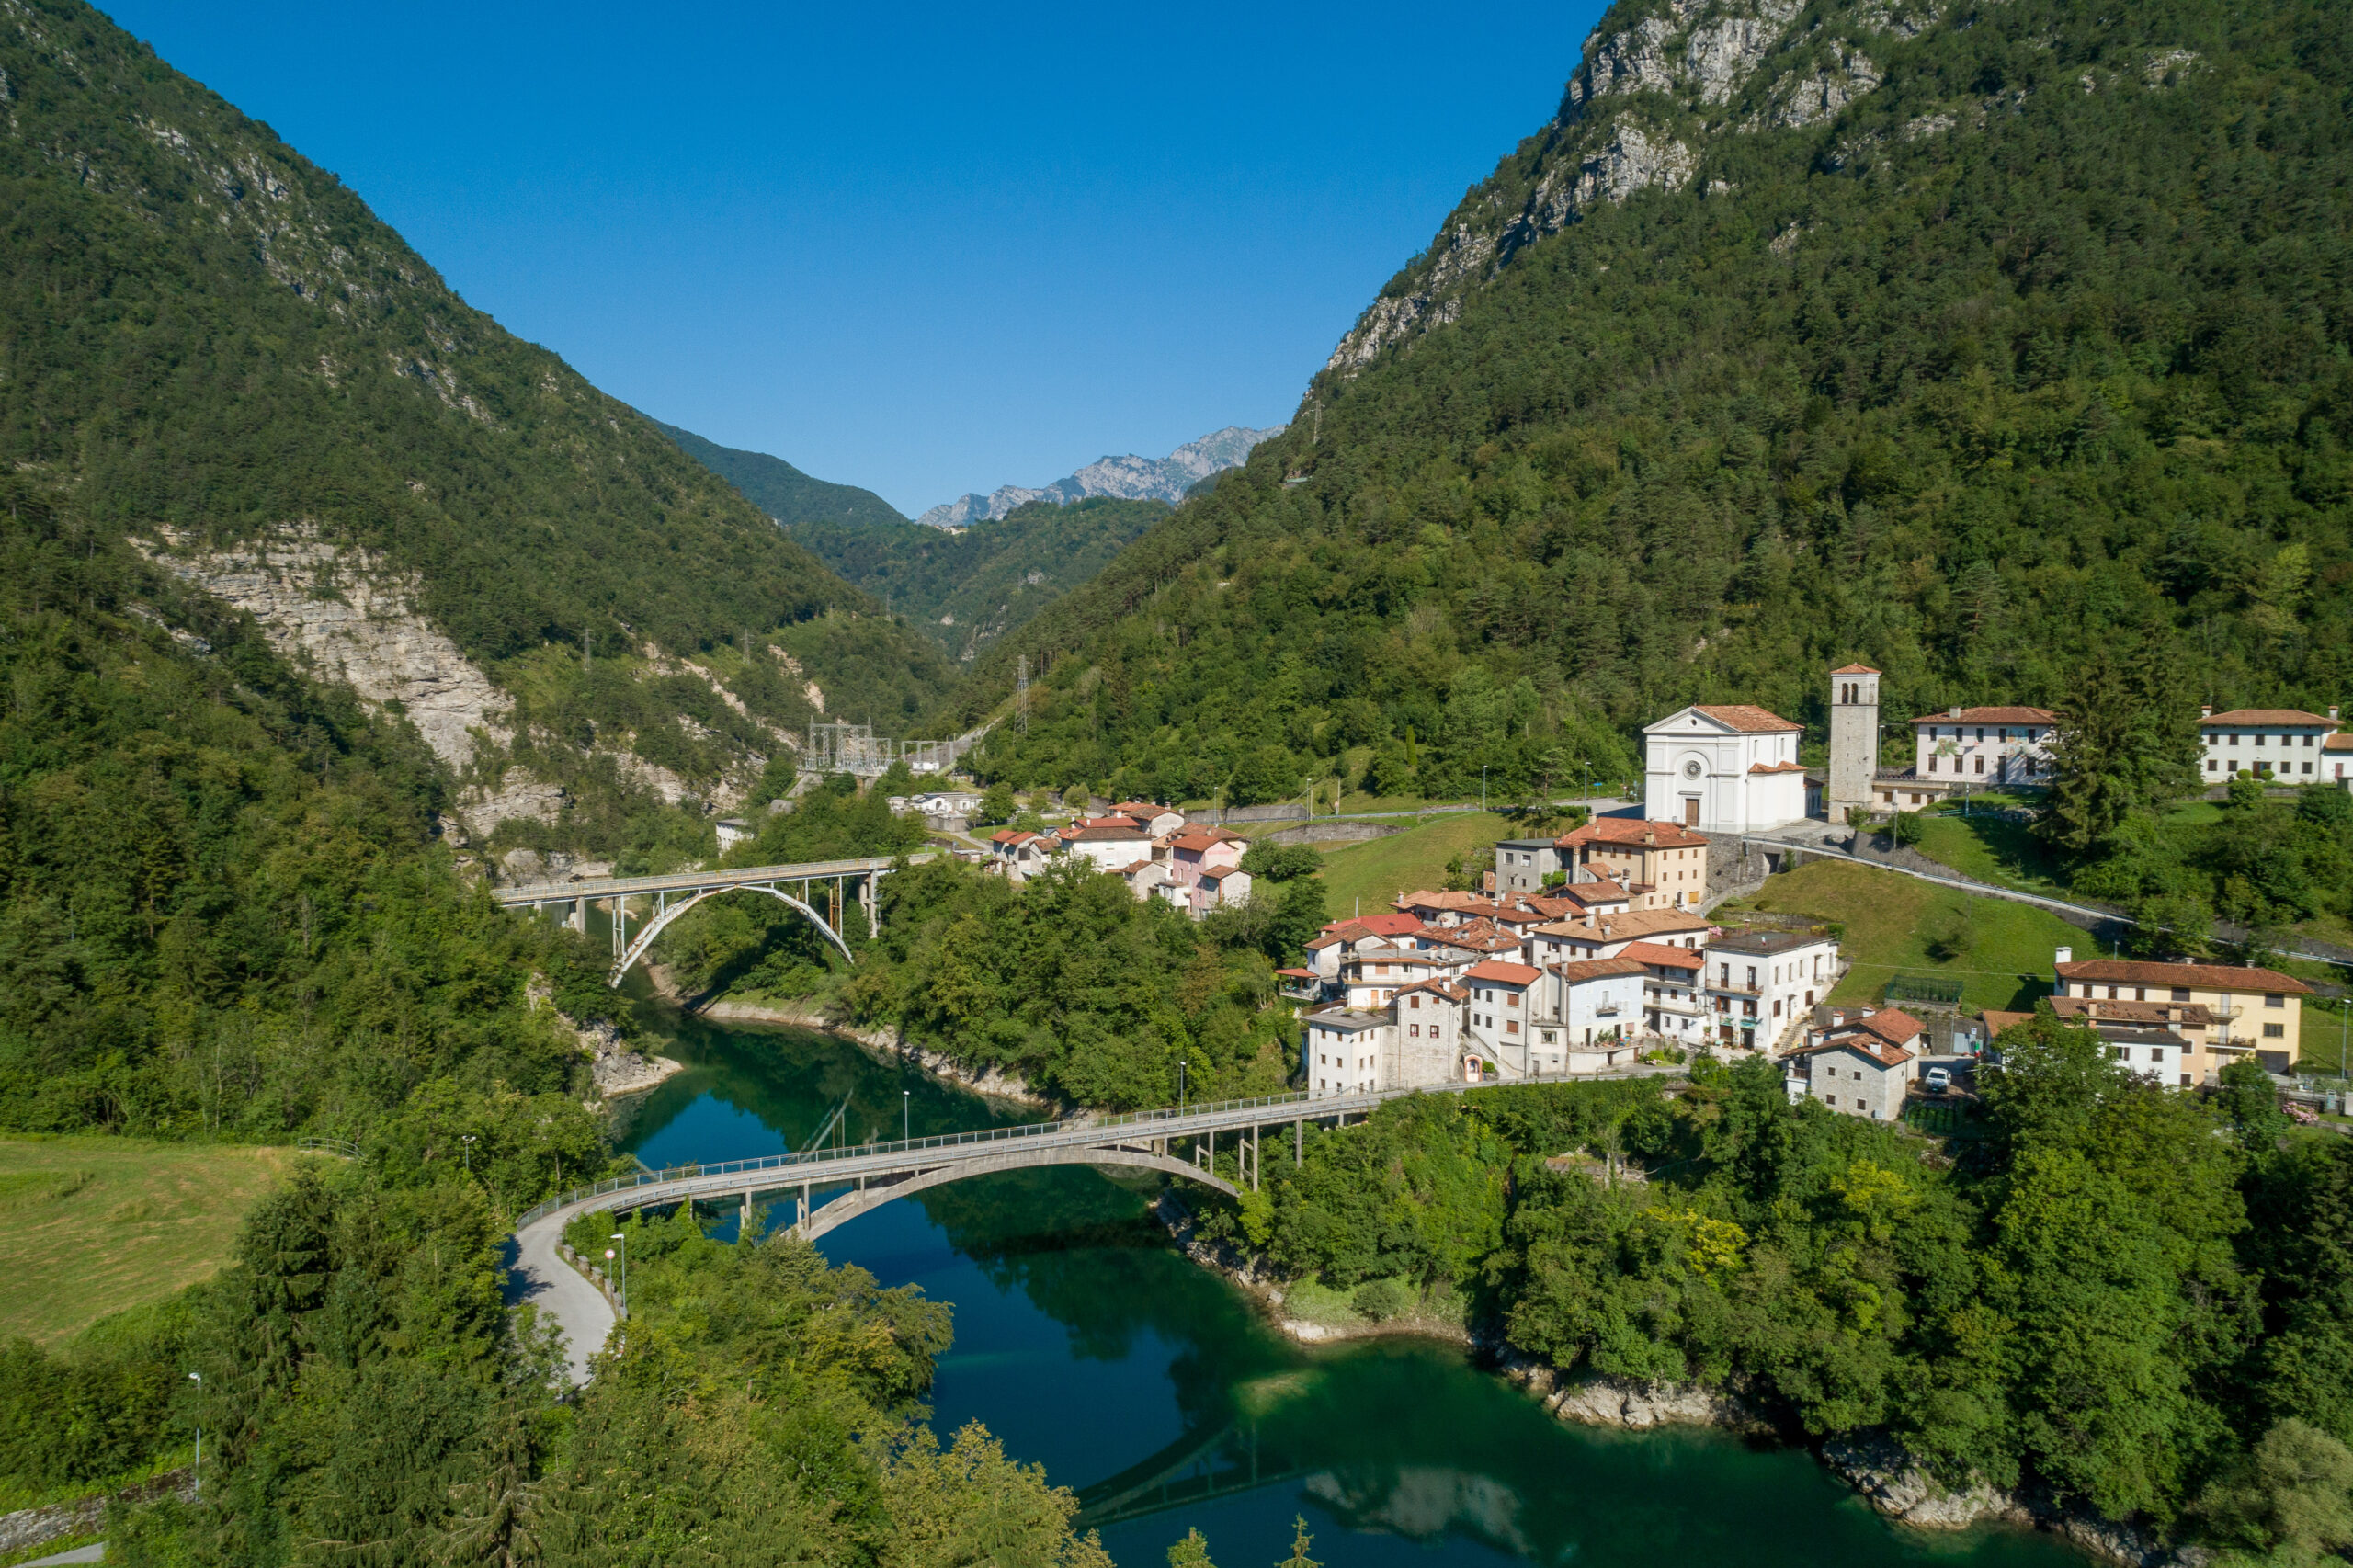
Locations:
column 1127, row 477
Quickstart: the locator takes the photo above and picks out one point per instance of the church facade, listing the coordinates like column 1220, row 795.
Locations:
column 1723, row 768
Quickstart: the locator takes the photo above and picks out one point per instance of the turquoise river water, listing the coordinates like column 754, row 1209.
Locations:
column 1155, row 1390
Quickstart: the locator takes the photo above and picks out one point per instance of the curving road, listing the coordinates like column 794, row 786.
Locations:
column 536, row 1274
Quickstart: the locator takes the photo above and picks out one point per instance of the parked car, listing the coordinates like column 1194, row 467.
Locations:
column 1938, row 1079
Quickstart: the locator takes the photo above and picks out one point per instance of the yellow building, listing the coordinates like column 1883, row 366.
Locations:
column 2226, row 1014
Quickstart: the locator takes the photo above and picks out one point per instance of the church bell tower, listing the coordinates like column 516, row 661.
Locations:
column 1853, row 739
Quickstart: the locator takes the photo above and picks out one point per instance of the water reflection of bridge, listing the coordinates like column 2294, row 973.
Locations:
column 1210, row 1461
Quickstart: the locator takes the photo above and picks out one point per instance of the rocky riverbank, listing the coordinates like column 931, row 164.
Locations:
column 618, row 1071
column 1893, row 1482
column 992, row 1081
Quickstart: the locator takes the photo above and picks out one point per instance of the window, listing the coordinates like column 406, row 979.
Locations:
column 2157, row 1054
column 2308, row 740
column 2111, row 993
column 2140, row 994
column 2181, row 993
column 2123, row 1052
column 1981, row 765
column 2211, row 765
column 2275, row 1032
column 2260, row 739
column 1830, row 1099
column 1511, row 1025
column 2234, row 740
column 1981, row 732
column 2274, row 999
column 1932, row 764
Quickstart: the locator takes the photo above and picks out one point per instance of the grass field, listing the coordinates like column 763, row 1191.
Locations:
column 1378, row 869
column 1999, row 951
column 89, row 1226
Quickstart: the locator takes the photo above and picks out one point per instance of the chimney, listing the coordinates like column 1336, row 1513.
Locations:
column 2332, row 712
column 2065, row 955
column 2206, row 711
column 1953, row 712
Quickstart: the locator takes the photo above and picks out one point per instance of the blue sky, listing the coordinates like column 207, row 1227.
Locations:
column 921, row 249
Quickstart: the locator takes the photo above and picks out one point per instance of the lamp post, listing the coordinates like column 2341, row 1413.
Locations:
column 1180, row 1087
column 907, row 1115
column 467, row 1139
column 620, row 1240
column 197, row 1379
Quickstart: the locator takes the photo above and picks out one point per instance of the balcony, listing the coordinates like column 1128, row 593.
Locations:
column 1737, row 987
column 1607, row 1010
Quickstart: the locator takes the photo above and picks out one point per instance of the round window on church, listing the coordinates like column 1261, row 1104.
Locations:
column 1691, row 768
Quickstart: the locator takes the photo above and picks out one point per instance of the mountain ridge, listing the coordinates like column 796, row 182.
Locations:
column 782, row 490
column 239, row 364
column 1965, row 340
column 1127, row 478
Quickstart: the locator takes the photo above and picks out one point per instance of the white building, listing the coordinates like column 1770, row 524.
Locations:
column 1674, row 1006
column 1587, row 1009
column 1110, row 843
column 2284, row 743
column 1728, row 769
column 1981, row 748
column 733, row 831
column 1347, row 1050
column 1608, row 936
column 1762, row 984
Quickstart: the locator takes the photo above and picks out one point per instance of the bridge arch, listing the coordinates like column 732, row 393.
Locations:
column 644, row 938
column 848, row 1205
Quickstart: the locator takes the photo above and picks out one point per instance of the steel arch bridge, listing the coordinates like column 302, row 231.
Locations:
column 668, row 897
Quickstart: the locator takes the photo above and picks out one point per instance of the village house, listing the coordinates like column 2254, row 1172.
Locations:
column 1198, row 850
column 1582, row 901
column 1723, row 768
column 1662, row 865
column 1328, row 951
column 1020, row 855
column 1589, row 1009
column 1673, row 1004
column 1972, row 748
column 1608, row 936
column 2337, row 758
column 1110, row 844
column 1372, row 975
column 1157, row 821
column 1428, row 1032
column 1865, row 1068
column 1761, row 985
column 1523, row 865
column 2249, row 1013
column 1496, row 1018
column 1144, row 878
column 1350, row 1050
column 1227, row 886
column 2285, row 743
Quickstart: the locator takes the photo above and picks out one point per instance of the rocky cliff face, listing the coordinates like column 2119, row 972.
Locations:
column 1128, row 478
column 1660, row 85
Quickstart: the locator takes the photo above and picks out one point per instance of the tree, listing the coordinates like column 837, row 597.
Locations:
column 1193, row 1551
column 1265, row 774
column 2124, row 741
column 775, row 779
column 1300, row 1542
column 1280, row 862
column 996, row 804
column 2294, row 1492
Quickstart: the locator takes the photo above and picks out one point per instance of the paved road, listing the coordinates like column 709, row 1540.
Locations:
column 94, row 1552
column 537, row 1275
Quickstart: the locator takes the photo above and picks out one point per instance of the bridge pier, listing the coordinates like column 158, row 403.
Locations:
column 578, row 920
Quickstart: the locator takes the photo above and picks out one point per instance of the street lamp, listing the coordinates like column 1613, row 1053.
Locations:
column 621, row 1239
column 468, row 1140
column 1180, row 1089
column 906, row 1116
column 198, row 1489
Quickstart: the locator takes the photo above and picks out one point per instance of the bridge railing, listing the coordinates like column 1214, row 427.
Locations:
column 811, row 1158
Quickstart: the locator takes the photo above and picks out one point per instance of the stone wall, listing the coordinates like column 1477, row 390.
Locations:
column 1331, row 832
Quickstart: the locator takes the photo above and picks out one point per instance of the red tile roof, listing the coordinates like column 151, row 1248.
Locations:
column 2264, row 716
column 1854, row 670
column 1991, row 716
column 1595, row 969
column 1661, row 954
column 1100, row 832
column 1776, row 767
column 2342, row 741
column 1878, row 1050
column 1631, row 833
column 1502, row 974
column 1891, row 1024
column 2212, row 976
column 1379, row 925
column 1197, row 840
column 1745, row 717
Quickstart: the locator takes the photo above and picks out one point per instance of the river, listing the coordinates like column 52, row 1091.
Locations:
column 1153, row 1388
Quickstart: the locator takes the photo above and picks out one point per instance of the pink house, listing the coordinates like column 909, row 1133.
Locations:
column 1200, row 850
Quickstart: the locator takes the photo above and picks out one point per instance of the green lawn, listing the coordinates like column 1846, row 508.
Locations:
column 1378, row 869
column 89, row 1226
column 1998, row 950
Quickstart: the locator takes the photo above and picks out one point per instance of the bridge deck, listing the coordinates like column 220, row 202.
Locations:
column 690, row 882
column 832, row 1167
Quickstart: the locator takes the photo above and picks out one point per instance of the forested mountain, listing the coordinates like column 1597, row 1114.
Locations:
column 967, row 588
column 781, row 489
column 209, row 344
column 1960, row 338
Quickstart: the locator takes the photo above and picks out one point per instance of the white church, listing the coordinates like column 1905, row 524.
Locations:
column 1723, row 768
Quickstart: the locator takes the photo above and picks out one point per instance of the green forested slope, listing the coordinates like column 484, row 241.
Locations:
column 970, row 588
column 204, row 335
column 1960, row 340
column 781, row 489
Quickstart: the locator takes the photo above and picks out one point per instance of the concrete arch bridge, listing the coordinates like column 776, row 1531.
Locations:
column 665, row 898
